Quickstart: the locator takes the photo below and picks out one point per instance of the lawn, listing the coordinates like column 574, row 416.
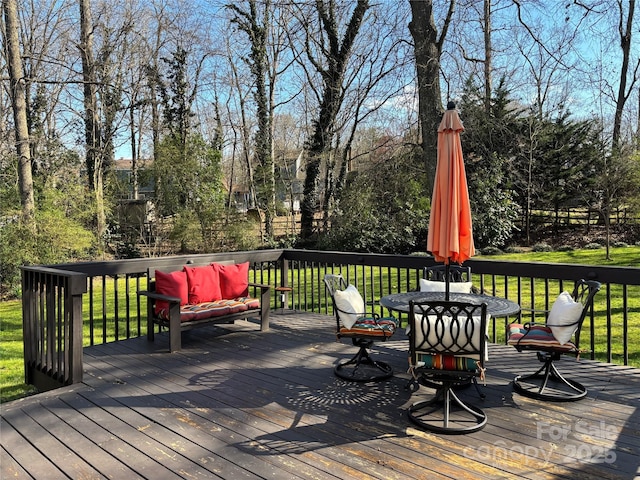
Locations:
column 12, row 384
column 619, row 257
column 11, row 352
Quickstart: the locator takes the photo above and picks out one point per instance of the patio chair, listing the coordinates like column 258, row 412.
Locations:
column 551, row 341
column 457, row 273
column 433, row 279
column 447, row 343
column 363, row 328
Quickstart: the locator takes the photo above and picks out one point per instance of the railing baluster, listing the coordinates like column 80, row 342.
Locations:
column 91, row 313
column 608, row 313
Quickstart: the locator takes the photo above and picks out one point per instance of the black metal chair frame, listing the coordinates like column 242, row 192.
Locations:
column 361, row 367
column 438, row 273
column 538, row 385
column 434, row 414
column 457, row 273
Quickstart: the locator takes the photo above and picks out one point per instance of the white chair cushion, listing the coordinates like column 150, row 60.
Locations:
column 445, row 341
column 436, row 286
column 350, row 305
column 563, row 316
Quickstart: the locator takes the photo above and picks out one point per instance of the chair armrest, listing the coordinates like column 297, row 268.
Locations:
column 533, row 313
column 534, row 310
column 262, row 286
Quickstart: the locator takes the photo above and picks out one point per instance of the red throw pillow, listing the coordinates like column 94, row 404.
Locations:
column 204, row 285
column 173, row 284
column 234, row 280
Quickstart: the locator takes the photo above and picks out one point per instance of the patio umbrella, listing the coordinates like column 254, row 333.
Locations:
column 450, row 237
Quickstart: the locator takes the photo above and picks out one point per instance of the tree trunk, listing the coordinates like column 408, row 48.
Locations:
column 93, row 148
column 134, row 152
column 320, row 142
column 18, row 101
column 625, row 44
column 428, row 48
column 488, row 57
column 256, row 30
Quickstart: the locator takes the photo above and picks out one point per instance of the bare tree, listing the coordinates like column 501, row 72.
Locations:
column 428, row 45
column 92, row 123
column 625, row 30
column 332, row 69
column 240, row 124
column 256, row 25
column 18, row 100
column 375, row 79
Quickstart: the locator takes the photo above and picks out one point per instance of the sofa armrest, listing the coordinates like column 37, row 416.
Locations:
column 159, row 296
column 173, row 315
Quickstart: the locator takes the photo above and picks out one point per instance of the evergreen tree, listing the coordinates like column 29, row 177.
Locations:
column 488, row 143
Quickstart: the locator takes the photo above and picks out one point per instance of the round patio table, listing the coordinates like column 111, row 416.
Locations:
column 496, row 306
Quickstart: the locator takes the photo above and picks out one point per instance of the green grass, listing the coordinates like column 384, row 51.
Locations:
column 619, row 257
column 12, row 384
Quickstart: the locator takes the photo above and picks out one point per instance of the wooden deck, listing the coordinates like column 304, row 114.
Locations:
column 236, row 403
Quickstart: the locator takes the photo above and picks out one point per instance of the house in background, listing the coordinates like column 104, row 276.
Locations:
column 290, row 180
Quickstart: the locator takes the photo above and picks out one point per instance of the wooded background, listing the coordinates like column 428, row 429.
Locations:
column 234, row 113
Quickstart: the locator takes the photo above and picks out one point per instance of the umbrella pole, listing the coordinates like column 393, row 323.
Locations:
column 446, row 281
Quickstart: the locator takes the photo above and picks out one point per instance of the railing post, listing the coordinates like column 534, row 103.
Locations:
column 52, row 326
column 283, row 289
column 284, row 273
column 74, row 311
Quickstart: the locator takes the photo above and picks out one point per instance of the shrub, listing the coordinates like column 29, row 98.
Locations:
column 491, row 251
column 514, row 249
column 620, row 244
column 593, row 246
column 565, row 248
column 542, row 247
column 242, row 235
column 383, row 210
column 58, row 239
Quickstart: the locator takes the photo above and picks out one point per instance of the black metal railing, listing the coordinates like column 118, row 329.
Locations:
column 51, row 307
column 107, row 308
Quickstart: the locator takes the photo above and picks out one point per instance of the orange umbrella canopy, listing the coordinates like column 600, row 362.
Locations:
column 450, row 237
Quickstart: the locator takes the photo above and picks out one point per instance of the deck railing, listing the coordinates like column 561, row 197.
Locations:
column 51, row 309
column 70, row 305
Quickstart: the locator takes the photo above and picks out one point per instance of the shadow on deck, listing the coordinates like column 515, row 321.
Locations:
column 236, row 403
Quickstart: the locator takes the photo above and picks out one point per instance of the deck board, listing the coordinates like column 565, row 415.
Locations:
column 239, row 403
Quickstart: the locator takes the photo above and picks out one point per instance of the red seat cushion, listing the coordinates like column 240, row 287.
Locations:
column 204, row 284
column 218, row 308
column 234, row 279
column 448, row 362
column 539, row 337
column 203, row 310
column 251, row 303
column 173, row 284
column 367, row 326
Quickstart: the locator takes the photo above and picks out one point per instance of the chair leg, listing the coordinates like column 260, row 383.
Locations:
column 362, row 368
column 547, row 383
column 436, row 414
